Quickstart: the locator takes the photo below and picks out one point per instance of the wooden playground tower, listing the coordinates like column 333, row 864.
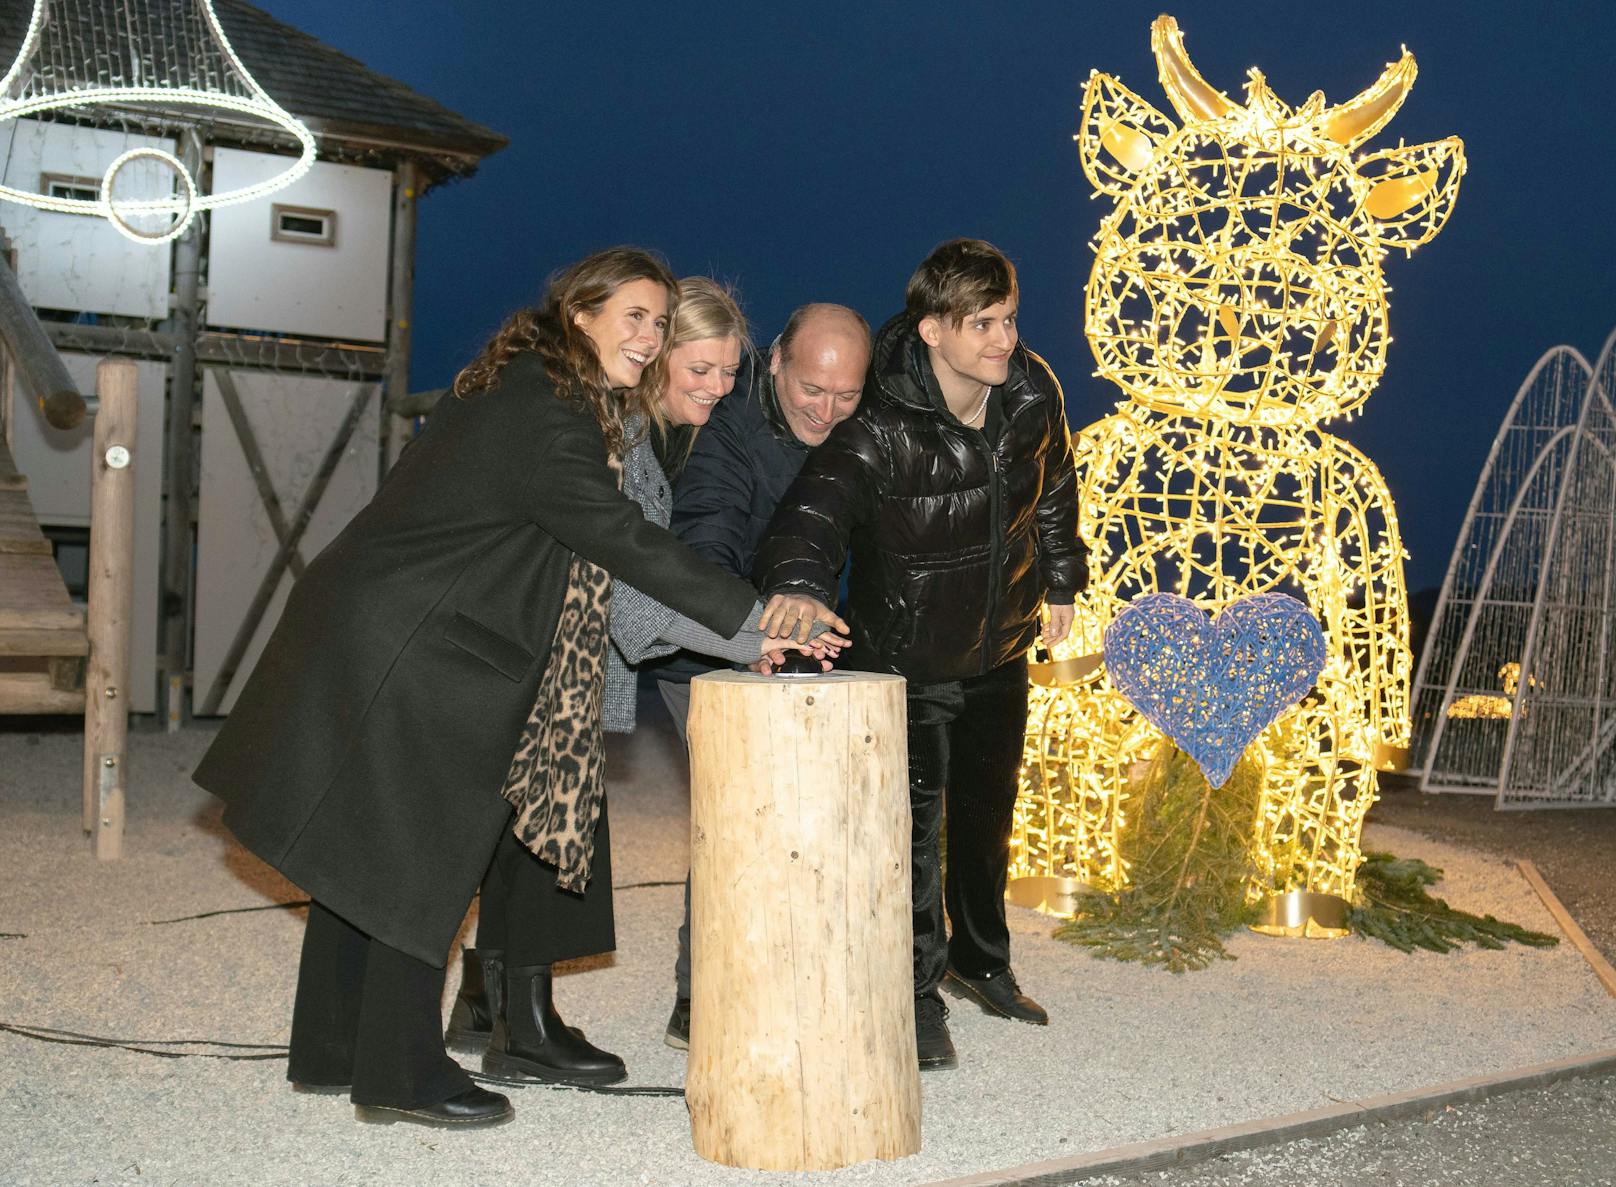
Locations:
column 55, row 658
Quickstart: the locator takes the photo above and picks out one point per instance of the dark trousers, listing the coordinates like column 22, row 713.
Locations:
column 521, row 911
column 369, row 1016
column 965, row 745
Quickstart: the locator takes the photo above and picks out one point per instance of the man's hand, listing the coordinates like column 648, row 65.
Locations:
column 795, row 614
column 1059, row 624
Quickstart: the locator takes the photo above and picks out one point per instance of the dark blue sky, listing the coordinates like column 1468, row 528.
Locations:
column 818, row 151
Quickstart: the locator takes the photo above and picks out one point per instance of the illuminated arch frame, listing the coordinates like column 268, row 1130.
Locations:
column 183, row 207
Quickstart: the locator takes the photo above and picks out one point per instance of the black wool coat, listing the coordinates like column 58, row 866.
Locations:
column 365, row 755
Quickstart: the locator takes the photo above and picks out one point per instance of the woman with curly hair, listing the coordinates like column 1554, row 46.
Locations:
column 460, row 615
column 505, row 1008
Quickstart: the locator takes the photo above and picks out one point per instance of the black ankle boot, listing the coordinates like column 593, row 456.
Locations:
column 482, row 992
column 530, row 1042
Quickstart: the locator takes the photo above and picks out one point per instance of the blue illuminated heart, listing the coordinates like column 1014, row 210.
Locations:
column 1213, row 685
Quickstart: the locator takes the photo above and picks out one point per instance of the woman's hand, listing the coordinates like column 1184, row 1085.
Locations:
column 795, row 614
column 822, row 646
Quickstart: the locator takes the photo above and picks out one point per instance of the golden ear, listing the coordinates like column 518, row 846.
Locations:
column 1118, row 135
column 1411, row 190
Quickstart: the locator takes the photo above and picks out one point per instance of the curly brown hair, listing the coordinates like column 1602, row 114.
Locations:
column 550, row 330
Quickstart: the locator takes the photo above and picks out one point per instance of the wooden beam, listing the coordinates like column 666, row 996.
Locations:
column 35, row 643
column 1579, row 938
column 277, row 567
column 256, row 466
column 179, row 469
column 35, row 358
column 396, row 385
column 31, row 692
column 240, row 352
column 112, row 557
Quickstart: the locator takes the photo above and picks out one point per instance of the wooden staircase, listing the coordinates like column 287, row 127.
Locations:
column 43, row 645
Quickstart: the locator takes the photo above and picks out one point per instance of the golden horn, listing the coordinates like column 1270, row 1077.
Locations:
column 1362, row 116
column 1191, row 95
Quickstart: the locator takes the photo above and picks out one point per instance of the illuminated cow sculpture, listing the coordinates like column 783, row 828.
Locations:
column 1237, row 299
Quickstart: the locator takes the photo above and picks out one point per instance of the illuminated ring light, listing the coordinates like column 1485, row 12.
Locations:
column 176, row 206
column 184, row 214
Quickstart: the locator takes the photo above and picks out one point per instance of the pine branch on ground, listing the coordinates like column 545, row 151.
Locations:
column 1397, row 910
column 1187, row 849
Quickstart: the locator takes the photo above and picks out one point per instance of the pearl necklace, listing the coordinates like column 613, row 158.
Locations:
column 980, row 408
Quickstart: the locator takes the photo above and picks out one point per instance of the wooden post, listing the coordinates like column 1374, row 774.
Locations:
column 178, row 481
column 400, row 304
column 802, row 1041
column 112, row 555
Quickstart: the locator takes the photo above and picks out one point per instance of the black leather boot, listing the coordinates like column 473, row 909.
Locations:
column 530, row 1042
column 482, row 991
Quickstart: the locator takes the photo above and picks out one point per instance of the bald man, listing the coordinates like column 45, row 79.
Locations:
column 744, row 459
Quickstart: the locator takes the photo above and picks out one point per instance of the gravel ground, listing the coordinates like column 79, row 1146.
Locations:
column 1131, row 1054
column 1574, row 849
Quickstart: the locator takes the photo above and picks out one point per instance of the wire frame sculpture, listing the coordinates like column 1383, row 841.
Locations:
column 1516, row 693
column 167, row 61
column 1237, row 298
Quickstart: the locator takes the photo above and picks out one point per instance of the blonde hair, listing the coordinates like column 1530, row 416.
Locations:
column 706, row 309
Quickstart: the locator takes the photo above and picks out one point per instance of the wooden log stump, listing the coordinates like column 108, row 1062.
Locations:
column 802, row 1036
column 112, row 560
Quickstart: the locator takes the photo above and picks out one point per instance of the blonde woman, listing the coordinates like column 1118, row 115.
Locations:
column 706, row 341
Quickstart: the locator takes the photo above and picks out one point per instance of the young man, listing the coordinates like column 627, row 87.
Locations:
column 953, row 483
column 742, row 463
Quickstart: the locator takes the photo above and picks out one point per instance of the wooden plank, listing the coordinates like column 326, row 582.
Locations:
column 31, row 692
column 1190, row 1148
column 1579, row 938
column 67, row 672
column 17, row 520
column 11, row 478
column 44, row 643
column 32, row 595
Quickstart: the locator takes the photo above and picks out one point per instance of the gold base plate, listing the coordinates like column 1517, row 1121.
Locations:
column 1304, row 914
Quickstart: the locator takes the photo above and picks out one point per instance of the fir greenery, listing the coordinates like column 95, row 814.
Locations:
column 1187, row 849
column 1396, row 910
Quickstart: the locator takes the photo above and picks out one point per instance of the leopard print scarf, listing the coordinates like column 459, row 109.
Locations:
column 557, row 776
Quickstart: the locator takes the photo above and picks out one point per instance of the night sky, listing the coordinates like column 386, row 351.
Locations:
column 818, row 151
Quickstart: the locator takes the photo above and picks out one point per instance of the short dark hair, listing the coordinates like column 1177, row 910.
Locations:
column 959, row 278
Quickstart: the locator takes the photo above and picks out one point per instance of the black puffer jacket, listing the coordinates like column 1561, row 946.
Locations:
column 955, row 541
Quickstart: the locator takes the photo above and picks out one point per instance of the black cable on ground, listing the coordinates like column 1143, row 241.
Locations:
column 303, row 902
column 293, row 905
column 263, row 1051
column 73, row 1038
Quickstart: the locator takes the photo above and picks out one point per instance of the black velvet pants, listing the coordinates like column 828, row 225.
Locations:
column 369, row 1016
column 965, row 744
column 521, row 911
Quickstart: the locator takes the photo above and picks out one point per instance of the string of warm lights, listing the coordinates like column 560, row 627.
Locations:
column 35, row 85
column 1237, row 299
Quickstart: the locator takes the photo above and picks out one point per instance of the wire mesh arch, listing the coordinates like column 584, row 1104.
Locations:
column 1515, row 694
column 165, row 64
